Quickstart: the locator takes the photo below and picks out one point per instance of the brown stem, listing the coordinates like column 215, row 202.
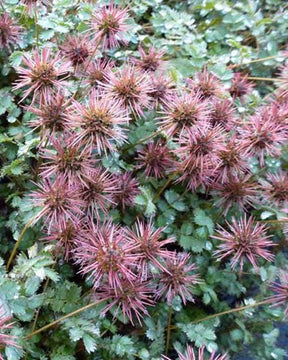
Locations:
column 232, row 311
column 167, row 183
column 141, row 141
column 18, row 242
column 253, row 61
column 67, row 316
column 168, row 333
column 263, row 78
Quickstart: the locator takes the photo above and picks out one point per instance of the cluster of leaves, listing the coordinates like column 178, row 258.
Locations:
column 194, row 40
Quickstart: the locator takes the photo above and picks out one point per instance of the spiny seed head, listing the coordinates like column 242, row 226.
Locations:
column 276, row 188
column 33, row 5
column 9, row 33
column 162, row 89
column 52, row 115
column 109, row 24
column 232, row 163
column 244, row 240
column 178, row 279
column 59, row 202
column 237, row 190
column 103, row 252
column 240, row 86
column 182, row 113
column 76, row 49
column 155, row 159
column 262, row 136
column 97, row 71
column 132, row 299
column 100, row 122
column 68, row 159
column 150, row 61
column 64, row 236
column 130, row 87
column 99, row 191
column 127, row 189
column 150, row 245
column 41, row 75
column 206, row 84
column 223, row 113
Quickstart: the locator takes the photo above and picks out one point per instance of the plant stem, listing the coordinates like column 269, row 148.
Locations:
column 67, row 316
column 141, row 141
column 168, row 333
column 232, row 311
column 37, row 28
column 253, row 61
column 263, row 78
column 167, row 183
column 18, row 242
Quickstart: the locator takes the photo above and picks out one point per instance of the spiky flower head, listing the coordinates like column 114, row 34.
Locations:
column 103, row 252
column 150, row 61
column 196, row 174
column 182, row 113
column 127, row 189
column 240, row 86
column 99, row 122
column 262, row 136
column 275, row 188
column 132, row 299
column 9, row 32
column 245, row 240
column 155, row 158
column 76, row 49
column 150, row 245
column 99, row 191
column 41, row 76
column 191, row 355
column 223, row 113
column 237, row 190
column 109, row 25
column 130, row 87
column 200, row 145
column 97, row 71
column 281, row 292
column 68, row 160
column 64, row 236
column 206, row 85
column 33, row 5
column 59, row 202
column 162, row 88
column 6, row 339
column 52, row 115
column 232, row 161
column 178, row 279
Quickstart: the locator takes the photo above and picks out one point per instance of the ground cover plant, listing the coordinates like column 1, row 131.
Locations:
column 144, row 184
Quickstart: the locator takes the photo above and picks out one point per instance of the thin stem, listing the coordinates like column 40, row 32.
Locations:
column 37, row 28
column 232, row 311
column 67, row 316
column 18, row 242
column 283, row 221
column 167, row 183
column 263, row 79
column 168, row 333
column 253, row 61
column 141, row 141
